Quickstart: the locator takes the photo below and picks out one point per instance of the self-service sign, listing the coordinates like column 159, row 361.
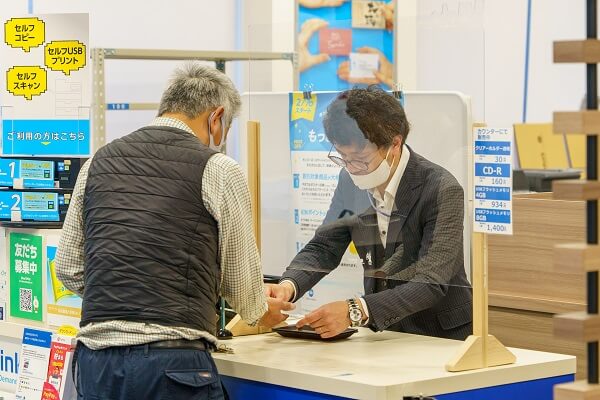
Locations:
column 492, row 161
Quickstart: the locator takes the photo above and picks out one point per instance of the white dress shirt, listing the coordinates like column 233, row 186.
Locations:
column 384, row 206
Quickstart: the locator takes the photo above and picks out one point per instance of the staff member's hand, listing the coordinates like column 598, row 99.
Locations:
column 274, row 316
column 328, row 320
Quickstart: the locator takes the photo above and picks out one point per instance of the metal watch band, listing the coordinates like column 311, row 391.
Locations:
column 353, row 306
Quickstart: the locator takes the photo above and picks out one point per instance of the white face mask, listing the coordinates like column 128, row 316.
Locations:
column 375, row 178
column 211, row 143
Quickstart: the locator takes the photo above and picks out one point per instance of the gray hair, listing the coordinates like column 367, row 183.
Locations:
column 195, row 88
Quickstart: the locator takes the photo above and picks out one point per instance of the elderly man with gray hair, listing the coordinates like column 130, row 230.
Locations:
column 158, row 226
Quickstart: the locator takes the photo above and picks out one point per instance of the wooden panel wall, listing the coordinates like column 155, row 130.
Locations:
column 525, row 289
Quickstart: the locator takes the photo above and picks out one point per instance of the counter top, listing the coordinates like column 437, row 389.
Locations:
column 371, row 365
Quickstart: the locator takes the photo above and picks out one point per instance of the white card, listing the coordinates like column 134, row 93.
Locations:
column 362, row 65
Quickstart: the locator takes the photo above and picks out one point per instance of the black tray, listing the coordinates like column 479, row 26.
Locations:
column 306, row 332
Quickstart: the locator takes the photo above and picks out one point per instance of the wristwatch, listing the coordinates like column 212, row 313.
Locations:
column 355, row 313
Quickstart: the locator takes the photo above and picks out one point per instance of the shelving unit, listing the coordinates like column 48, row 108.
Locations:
column 582, row 326
column 99, row 56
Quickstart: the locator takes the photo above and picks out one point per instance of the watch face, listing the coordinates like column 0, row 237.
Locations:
column 355, row 315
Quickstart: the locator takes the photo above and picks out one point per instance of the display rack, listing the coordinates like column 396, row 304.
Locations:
column 584, row 257
column 99, row 55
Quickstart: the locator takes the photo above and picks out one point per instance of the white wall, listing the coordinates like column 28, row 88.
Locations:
column 257, row 35
column 145, row 24
column 478, row 47
column 554, row 87
column 283, row 17
column 175, row 24
column 504, row 61
column 14, row 7
column 451, row 48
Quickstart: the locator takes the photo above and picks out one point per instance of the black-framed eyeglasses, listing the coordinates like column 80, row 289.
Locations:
column 356, row 164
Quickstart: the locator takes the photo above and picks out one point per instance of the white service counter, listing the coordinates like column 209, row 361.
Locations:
column 386, row 365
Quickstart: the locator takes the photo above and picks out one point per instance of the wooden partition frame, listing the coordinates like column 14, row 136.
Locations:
column 253, row 128
column 480, row 350
column 237, row 326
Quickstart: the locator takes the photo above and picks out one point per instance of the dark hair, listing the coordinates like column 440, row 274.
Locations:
column 371, row 114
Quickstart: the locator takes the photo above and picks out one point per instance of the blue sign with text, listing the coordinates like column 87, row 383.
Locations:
column 492, row 193
column 50, row 137
column 34, row 337
column 492, row 170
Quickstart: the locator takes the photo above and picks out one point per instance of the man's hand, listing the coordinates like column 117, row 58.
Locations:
column 305, row 58
column 274, row 316
column 320, row 3
column 281, row 291
column 383, row 75
column 328, row 320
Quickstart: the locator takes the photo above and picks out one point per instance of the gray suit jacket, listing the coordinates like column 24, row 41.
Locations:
column 417, row 284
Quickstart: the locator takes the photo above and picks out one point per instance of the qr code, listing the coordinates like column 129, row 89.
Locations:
column 25, row 300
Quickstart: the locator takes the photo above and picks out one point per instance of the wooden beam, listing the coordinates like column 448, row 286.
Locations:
column 538, row 304
column 577, row 51
column 578, row 390
column 577, row 326
column 575, row 189
column 587, row 122
column 580, row 257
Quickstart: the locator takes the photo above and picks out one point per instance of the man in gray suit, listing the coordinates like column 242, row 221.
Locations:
column 405, row 217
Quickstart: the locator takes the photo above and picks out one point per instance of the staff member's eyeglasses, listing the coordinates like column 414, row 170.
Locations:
column 358, row 165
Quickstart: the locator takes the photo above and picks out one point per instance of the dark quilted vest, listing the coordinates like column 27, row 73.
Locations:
column 151, row 247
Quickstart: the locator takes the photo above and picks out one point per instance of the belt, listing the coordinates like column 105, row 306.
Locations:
column 178, row 344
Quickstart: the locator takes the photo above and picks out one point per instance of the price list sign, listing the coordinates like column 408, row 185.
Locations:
column 492, row 163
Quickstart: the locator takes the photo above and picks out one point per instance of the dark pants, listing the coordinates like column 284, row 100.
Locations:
column 139, row 372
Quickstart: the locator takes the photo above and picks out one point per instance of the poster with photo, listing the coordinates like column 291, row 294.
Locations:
column 343, row 43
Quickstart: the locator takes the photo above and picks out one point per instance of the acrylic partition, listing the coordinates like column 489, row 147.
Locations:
column 315, row 222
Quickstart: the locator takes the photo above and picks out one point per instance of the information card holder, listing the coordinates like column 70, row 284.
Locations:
column 480, row 350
